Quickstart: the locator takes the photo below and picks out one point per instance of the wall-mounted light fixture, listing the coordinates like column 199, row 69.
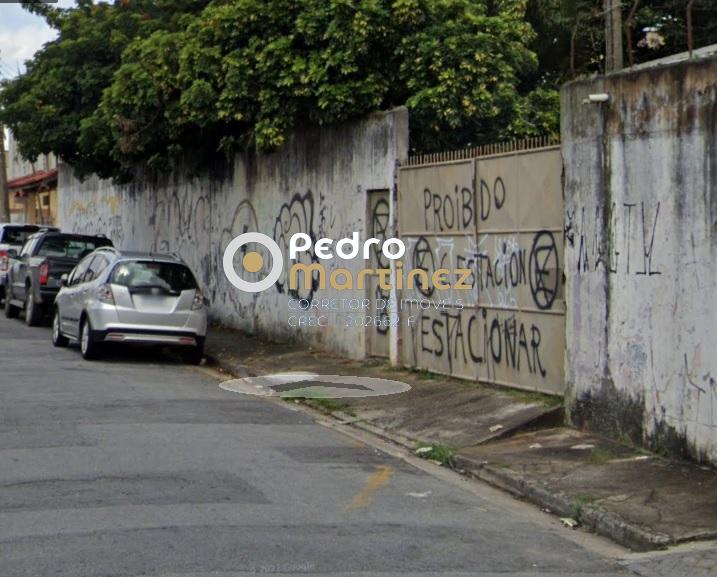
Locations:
column 598, row 97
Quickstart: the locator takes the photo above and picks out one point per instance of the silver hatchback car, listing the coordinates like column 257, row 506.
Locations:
column 123, row 297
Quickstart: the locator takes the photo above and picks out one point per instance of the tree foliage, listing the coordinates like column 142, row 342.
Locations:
column 51, row 106
column 244, row 73
column 154, row 82
column 161, row 81
column 570, row 35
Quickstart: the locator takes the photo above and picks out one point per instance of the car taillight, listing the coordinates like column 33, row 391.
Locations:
column 104, row 294
column 198, row 301
column 44, row 273
column 3, row 260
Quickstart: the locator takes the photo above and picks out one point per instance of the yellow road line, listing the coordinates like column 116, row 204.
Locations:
column 380, row 478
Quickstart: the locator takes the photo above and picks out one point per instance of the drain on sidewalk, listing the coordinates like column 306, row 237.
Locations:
column 314, row 386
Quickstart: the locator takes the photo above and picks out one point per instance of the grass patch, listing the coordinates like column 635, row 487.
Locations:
column 329, row 406
column 583, row 499
column 441, row 453
column 422, row 374
column 579, row 504
column 312, row 399
column 601, row 455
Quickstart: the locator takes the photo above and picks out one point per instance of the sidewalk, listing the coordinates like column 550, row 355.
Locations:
column 511, row 439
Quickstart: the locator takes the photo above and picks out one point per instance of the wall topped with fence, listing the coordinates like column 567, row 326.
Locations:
column 506, row 147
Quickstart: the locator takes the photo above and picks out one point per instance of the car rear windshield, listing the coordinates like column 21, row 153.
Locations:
column 70, row 247
column 140, row 275
column 16, row 234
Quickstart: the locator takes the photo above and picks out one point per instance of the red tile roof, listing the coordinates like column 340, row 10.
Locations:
column 32, row 180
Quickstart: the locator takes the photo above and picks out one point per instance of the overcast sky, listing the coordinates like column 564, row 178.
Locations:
column 21, row 34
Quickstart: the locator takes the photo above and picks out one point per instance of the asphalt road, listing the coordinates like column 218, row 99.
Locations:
column 138, row 465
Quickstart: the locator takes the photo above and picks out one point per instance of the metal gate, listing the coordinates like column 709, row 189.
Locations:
column 498, row 212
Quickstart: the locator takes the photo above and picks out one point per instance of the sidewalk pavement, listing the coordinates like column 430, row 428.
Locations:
column 512, row 439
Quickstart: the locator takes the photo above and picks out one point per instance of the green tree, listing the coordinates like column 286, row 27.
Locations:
column 49, row 105
column 570, row 38
column 63, row 84
column 158, row 83
column 668, row 20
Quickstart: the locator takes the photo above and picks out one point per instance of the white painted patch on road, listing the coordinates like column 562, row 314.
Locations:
column 314, row 386
column 419, row 495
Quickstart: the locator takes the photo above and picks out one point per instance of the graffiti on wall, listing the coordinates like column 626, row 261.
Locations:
column 478, row 215
column 452, row 211
column 508, row 262
column 489, row 335
column 477, row 342
column 379, row 222
column 296, row 215
column 430, row 253
column 620, row 240
column 491, row 197
column 99, row 215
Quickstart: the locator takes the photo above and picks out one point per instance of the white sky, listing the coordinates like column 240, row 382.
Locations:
column 21, row 35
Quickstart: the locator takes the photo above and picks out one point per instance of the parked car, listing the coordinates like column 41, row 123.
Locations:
column 12, row 238
column 136, row 298
column 33, row 278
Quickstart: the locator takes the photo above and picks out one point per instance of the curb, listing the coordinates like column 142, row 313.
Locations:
column 592, row 517
column 235, row 370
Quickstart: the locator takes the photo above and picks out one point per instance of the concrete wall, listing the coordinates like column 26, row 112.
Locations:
column 641, row 256
column 318, row 184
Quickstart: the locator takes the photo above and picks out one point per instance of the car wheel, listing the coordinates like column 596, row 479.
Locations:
column 11, row 311
column 193, row 355
column 33, row 311
column 89, row 347
column 58, row 339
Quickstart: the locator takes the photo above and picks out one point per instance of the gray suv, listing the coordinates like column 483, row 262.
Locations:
column 125, row 297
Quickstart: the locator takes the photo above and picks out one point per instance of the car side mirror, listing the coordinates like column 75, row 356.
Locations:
column 63, row 279
column 12, row 253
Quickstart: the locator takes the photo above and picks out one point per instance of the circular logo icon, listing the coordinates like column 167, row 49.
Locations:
column 252, row 262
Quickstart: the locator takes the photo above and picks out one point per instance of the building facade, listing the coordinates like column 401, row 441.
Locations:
column 32, row 186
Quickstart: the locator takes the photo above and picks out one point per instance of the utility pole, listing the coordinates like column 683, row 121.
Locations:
column 4, row 193
column 613, row 35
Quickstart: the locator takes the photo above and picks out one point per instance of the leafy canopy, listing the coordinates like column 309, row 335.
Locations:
column 50, row 107
column 142, row 81
column 162, row 81
column 574, row 30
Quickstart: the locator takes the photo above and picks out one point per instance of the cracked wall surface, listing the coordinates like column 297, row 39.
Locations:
column 641, row 256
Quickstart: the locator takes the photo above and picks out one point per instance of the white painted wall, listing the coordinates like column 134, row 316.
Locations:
column 17, row 166
column 317, row 184
column 641, row 256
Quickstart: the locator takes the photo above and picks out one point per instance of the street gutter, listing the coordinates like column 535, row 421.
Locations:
column 590, row 516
